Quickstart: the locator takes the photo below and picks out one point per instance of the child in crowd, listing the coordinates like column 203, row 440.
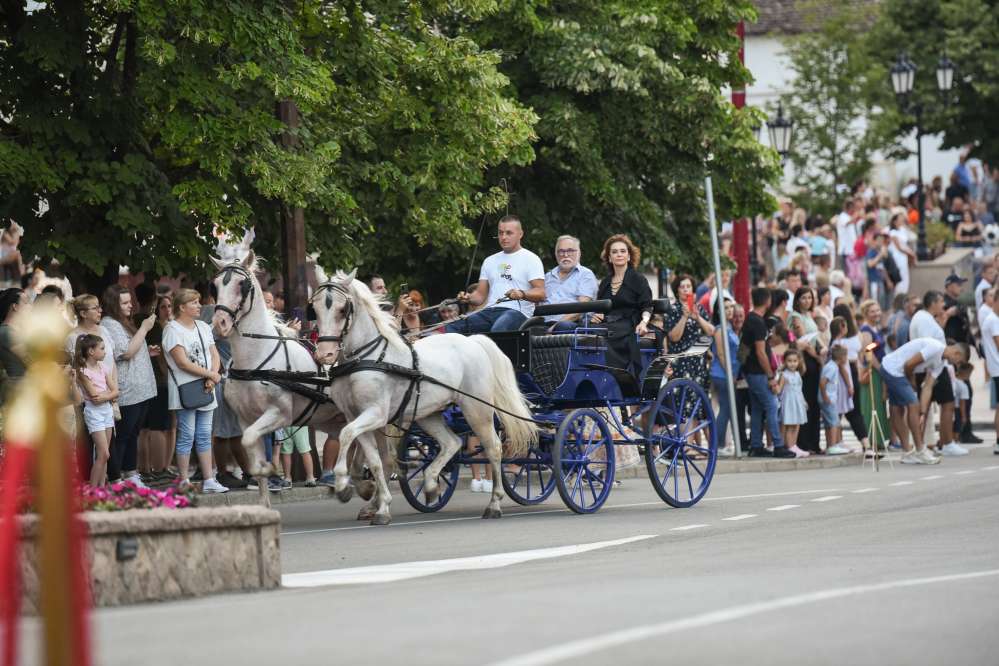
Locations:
column 99, row 389
column 823, row 335
column 830, row 400
column 794, row 410
column 296, row 438
column 962, row 395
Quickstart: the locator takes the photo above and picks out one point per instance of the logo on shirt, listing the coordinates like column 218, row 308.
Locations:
column 505, row 271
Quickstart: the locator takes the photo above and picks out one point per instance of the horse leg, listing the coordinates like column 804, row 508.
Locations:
column 434, row 426
column 480, row 418
column 366, row 421
column 383, row 497
column 252, row 441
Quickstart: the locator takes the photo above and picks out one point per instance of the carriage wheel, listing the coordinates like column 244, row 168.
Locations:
column 681, row 452
column 584, row 460
column 420, row 452
column 530, row 479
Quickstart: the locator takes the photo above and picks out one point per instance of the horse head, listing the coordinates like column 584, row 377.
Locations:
column 333, row 304
column 236, row 288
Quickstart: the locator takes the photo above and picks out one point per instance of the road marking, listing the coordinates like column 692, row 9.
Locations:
column 514, row 514
column 932, row 477
column 387, row 573
column 991, row 467
column 902, row 483
column 741, row 516
column 827, row 498
column 783, row 507
column 586, row 646
column 684, row 528
column 965, row 471
column 864, row 490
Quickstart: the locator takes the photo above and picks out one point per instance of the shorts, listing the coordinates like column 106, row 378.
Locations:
column 943, row 390
column 98, row 417
column 294, row 438
column 830, row 416
column 900, row 391
column 158, row 415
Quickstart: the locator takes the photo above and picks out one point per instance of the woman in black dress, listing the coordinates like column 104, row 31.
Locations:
column 631, row 296
column 685, row 324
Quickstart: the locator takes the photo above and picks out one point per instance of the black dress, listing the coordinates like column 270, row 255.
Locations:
column 691, row 367
column 633, row 298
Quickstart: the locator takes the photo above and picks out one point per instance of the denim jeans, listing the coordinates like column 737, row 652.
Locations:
column 490, row 319
column 761, row 399
column 194, row 430
column 720, row 387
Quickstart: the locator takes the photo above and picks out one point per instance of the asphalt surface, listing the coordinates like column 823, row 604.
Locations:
column 826, row 566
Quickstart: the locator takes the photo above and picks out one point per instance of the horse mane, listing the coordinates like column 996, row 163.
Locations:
column 385, row 323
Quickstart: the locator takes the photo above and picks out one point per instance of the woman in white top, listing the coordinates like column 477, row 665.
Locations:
column 898, row 247
column 851, row 341
column 189, row 349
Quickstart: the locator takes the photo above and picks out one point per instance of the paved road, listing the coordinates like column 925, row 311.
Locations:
column 827, row 566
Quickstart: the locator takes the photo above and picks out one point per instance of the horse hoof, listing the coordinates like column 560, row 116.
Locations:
column 381, row 519
column 345, row 494
column 492, row 513
column 366, row 513
column 366, row 490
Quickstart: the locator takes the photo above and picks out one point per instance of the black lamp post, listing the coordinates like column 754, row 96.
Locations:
column 780, row 130
column 903, row 79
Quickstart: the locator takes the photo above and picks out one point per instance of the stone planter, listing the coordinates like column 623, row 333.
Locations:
column 161, row 554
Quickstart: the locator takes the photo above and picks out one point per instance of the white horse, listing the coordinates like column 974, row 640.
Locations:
column 352, row 327
column 263, row 407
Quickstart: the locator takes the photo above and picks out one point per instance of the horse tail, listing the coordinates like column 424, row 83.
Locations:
column 514, row 414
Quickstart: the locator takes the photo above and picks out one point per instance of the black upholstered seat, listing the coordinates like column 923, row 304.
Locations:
column 567, row 341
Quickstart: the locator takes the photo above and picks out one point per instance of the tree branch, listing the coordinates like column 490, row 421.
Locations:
column 131, row 66
column 111, row 58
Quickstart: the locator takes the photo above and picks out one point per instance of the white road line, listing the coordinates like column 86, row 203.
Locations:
column 902, row 483
column 587, row 646
column 965, row 471
column 684, row 528
column 861, row 491
column 784, row 507
column 387, row 573
column 991, row 467
column 827, row 498
column 932, row 477
column 741, row 516
column 507, row 514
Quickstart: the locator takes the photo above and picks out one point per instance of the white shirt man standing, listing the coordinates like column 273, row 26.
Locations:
column 510, row 283
column 990, row 346
column 569, row 282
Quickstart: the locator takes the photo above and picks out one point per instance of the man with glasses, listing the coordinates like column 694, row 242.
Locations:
column 510, row 283
column 568, row 282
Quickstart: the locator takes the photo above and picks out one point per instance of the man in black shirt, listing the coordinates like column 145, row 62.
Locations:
column 958, row 329
column 761, row 378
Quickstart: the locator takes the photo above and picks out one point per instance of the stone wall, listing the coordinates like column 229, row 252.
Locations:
column 926, row 275
column 161, row 554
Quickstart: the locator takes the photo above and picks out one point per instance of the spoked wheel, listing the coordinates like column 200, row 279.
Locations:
column 584, row 460
column 530, row 479
column 681, row 451
column 420, row 451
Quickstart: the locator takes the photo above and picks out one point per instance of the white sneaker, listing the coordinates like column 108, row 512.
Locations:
column 838, row 450
column 477, row 486
column 911, row 458
column 211, row 486
column 927, row 458
column 487, row 486
column 954, row 449
column 136, row 480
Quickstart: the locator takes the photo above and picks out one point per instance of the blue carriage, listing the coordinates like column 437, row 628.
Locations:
column 585, row 409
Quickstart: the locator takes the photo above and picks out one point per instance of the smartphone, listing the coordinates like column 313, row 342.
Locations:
column 871, row 347
column 690, row 301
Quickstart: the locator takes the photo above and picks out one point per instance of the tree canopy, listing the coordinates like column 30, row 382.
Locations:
column 129, row 129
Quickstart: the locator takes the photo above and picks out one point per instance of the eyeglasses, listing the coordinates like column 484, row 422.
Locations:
column 566, row 253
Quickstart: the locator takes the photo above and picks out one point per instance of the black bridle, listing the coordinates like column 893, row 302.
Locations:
column 246, row 291
column 328, row 288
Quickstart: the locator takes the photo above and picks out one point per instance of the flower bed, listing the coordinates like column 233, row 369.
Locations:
column 125, row 495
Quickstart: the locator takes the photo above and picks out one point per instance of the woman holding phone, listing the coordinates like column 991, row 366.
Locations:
column 684, row 324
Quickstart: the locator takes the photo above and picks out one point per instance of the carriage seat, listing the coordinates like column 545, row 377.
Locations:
column 567, row 341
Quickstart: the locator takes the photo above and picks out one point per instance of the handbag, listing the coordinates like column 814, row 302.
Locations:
column 192, row 394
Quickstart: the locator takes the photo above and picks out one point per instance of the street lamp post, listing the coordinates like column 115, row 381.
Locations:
column 903, row 79
column 780, row 130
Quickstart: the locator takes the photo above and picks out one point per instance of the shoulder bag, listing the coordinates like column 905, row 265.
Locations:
column 193, row 394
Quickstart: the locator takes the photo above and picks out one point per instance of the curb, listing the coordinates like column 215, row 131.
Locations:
column 724, row 466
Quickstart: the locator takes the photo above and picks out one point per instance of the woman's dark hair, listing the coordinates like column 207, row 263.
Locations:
column 716, row 312
column 820, row 292
column 778, row 297
column 897, row 220
column 797, row 297
column 837, row 328
column 111, row 303
column 84, row 344
column 844, row 311
column 8, row 299
column 680, row 277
